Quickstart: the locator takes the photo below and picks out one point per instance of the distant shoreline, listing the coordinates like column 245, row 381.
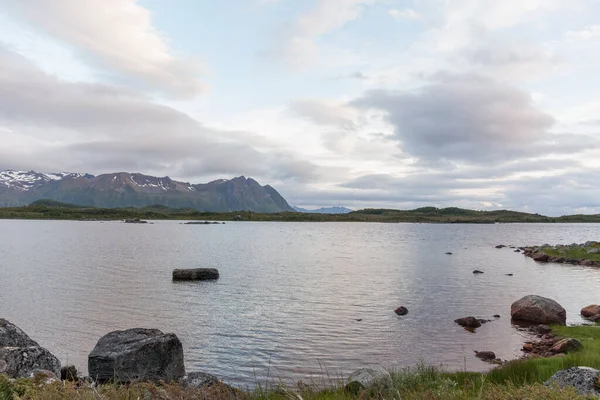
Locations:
column 53, row 210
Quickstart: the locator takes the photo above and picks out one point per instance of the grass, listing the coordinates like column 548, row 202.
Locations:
column 579, row 253
column 520, row 379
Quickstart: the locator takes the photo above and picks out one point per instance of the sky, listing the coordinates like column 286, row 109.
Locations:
column 481, row 104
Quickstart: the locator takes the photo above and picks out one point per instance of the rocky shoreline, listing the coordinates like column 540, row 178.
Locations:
column 149, row 355
column 586, row 254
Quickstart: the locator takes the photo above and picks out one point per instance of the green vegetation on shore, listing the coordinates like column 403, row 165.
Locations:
column 519, row 379
column 579, row 253
column 48, row 209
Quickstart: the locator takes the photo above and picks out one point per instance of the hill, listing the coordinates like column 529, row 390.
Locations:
column 52, row 210
column 122, row 189
column 325, row 210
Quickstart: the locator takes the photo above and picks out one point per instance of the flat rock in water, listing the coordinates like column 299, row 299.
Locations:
column 539, row 310
column 485, row 355
column 477, row 272
column 583, row 379
column 468, row 322
column 195, row 274
column 20, row 355
column 137, row 355
column 401, row 310
column 369, row 377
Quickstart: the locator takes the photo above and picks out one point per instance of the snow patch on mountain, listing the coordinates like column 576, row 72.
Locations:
column 27, row 180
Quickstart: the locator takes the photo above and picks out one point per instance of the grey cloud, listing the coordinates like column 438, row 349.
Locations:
column 462, row 118
column 567, row 187
column 97, row 128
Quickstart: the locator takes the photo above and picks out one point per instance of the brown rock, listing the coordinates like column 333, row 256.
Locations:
column 595, row 318
column 591, row 310
column 566, row 345
column 528, row 347
column 587, row 263
column 541, row 257
column 538, row 309
column 542, row 329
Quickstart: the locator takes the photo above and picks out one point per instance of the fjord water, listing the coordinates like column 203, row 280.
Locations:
column 290, row 295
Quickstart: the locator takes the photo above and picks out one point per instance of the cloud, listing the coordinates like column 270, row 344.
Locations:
column 325, row 113
column 117, row 35
column 465, row 118
column 57, row 125
column 404, row 14
column 589, row 32
column 300, row 43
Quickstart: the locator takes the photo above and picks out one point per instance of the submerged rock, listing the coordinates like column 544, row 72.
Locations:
column 369, row 377
column 20, row 355
column 401, row 310
column 485, row 355
column 539, row 310
column 500, row 246
column 137, row 355
column 477, row 271
column 195, row 274
column 468, row 322
column 541, row 257
column 583, row 379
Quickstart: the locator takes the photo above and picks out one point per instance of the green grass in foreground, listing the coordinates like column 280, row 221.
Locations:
column 520, row 379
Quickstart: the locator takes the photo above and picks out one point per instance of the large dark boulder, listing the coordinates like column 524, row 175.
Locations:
column 583, row 379
column 539, row 310
column 20, row 356
column 137, row 355
column 195, row 274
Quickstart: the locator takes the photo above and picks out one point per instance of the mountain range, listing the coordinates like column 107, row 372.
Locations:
column 325, row 210
column 124, row 189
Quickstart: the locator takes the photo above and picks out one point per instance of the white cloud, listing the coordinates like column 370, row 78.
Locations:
column 404, row 14
column 300, row 44
column 117, row 35
column 589, row 32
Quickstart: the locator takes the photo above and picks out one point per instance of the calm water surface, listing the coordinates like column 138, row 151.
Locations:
column 290, row 294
